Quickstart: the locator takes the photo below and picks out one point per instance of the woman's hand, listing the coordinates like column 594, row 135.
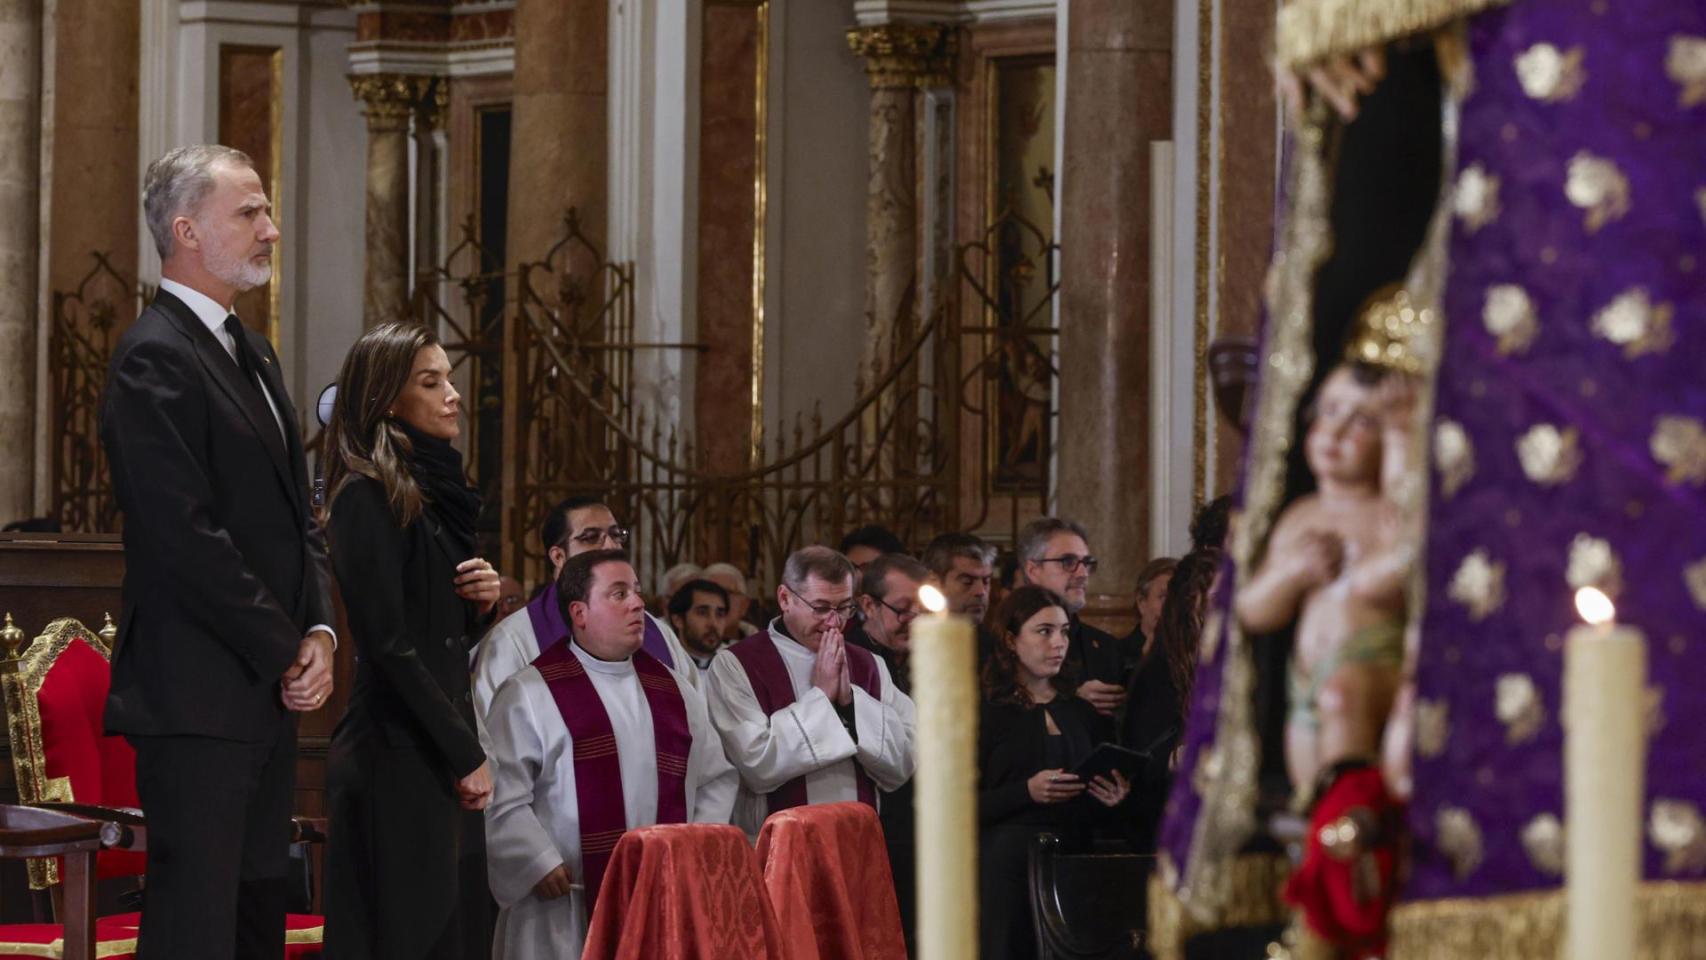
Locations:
column 1109, row 793
column 1054, row 786
column 477, row 583
column 475, row 790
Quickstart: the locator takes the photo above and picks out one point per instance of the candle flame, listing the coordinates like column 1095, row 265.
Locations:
column 1594, row 606
column 932, row 599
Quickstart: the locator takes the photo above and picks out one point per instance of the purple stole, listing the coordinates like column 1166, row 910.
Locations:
column 550, row 630
column 598, row 771
column 768, row 675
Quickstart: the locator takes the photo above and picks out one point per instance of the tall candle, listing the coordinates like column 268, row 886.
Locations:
column 1605, row 749
column 944, row 686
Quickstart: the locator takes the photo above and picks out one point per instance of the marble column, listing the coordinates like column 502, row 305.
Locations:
column 1118, row 99
column 20, row 214
column 388, row 101
column 900, row 60
column 559, row 138
column 430, row 119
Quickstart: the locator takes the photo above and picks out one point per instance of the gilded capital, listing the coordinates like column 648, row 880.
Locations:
column 389, row 99
column 906, row 54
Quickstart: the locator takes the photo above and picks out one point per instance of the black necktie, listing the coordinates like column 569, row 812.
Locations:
column 251, row 367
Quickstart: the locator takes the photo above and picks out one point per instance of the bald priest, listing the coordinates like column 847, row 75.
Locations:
column 595, row 738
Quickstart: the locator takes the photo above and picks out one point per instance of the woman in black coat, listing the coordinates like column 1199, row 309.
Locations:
column 1032, row 731
column 405, row 762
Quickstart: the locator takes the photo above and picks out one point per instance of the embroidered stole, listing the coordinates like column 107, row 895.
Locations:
column 774, row 689
column 599, row 795
column 550, row 629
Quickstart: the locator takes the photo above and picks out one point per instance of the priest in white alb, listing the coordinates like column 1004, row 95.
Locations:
column 804, row 716
column 594, row 738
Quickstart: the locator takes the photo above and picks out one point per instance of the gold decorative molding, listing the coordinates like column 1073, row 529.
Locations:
column 906, row 54
column 1311, row 30
column 1250, row 887
column 388, row 100
column 1669, row 917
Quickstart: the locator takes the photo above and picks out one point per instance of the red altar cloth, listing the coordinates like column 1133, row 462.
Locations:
column 828, row 875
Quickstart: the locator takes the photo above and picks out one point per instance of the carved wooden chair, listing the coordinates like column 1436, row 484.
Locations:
column 1090, row 906
column 73, row 844
column 55, row 692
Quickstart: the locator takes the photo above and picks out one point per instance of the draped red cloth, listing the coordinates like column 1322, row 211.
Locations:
column 689, row 891
column 1346, row 902
column 828, row 875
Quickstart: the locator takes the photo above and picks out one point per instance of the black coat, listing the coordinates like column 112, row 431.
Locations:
column 406, row 738
column 225, row 567
column 1152, row 723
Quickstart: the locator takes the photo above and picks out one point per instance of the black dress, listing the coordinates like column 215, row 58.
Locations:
column 1151, row 723
column 1013, row 745
column 397, row 831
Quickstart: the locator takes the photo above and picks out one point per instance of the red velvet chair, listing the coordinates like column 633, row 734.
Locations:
column 56, row 694
column 685, row 891
column 827, row 872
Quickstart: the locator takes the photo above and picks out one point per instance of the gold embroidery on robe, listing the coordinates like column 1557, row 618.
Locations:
column 1459, row 840
column 1476, row 199
column 1679, row 443
column 1509, row 316
column 1549, row 456
column 1208, row 768
column 1454, row 455
column 1635, row 323
column 1311, row 30
column 1676, row 829
column 1479, row 584
column 1433, row 726
column 1700, row 201
column 1594, row 564
column 1653, row 703
column 1551, row 75
column 1597, row 186
column 1543, row 841
column 1686, row 66
column 1517, row 703
column 1695, row 576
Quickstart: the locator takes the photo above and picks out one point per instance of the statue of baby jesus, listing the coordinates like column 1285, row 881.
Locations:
column 1337, row 563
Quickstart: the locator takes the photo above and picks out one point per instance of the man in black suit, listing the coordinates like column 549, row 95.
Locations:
column 1055, row 553
column 224, row 634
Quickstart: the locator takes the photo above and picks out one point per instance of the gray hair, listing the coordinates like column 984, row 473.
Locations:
column 178, row 182
column 1032, row 542
column 816, row 561
column 940, row 554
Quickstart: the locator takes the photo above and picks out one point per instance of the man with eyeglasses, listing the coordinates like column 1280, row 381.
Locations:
column 577, row 525
column 888, row 603
column 804, row 716
column 1055, row 553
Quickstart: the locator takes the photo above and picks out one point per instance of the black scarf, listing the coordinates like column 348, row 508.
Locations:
column 437, row 469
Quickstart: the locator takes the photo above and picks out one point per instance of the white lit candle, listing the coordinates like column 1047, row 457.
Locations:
column 1605, row 749
column 944, row 686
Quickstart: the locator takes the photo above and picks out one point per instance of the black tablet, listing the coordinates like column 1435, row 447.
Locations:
column 1105, row 759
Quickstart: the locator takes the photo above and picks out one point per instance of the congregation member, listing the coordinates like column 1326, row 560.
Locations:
column 742, row 611
column 673, row 579
column 962, row 565
column 1151, row 593
column 699, row 613
column 575, row 526
column 223, row 636
column 804, row 716
column 888, row 604
column 594, row 738
column 405, row 760
column 1032, row 731
column 1054, row 553
column 868, row 543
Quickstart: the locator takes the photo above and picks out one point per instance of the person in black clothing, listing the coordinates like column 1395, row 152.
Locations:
column 405, row 762
column 1032, row 731
column 888, row 603
column 1054, row 553
column 868, row 543
column 1154, row 717
column 1152, row 583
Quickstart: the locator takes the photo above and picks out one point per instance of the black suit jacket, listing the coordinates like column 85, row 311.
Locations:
column 225, row 567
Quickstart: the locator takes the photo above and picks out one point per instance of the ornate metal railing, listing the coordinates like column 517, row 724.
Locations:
column 86, row 323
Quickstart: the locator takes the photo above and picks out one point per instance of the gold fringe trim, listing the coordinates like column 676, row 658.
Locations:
column 1250, row 898
column 1311, row 30
column 1670, row 923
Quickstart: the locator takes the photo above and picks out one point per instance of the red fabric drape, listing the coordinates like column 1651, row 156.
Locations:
column 688, row 891
column 828, row 875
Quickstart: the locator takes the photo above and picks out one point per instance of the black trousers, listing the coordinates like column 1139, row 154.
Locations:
column 218, row 845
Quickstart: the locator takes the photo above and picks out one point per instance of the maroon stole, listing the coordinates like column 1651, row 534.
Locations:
column 598, row 770
column 770, row 684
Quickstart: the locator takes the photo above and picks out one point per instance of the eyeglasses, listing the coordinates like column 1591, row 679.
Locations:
column 824, row 610
column 905, row 612
column 1070, row 562
column 593, row 536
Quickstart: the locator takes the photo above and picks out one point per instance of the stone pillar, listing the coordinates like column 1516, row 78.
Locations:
column 430, row 118
column 20, row 215
column 1118, row 99
column 388, row 101
column 559, row 138
column 900, row 59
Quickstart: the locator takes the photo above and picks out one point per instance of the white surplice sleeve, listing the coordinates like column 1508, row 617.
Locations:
column 684, row 666
column 715, row 781
column 519, row 849
column 887, row 729
column 798, row 739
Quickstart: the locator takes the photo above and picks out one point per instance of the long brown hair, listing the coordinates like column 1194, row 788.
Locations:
column 362, row 439
column 1179, row 630
column 1001, row 683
